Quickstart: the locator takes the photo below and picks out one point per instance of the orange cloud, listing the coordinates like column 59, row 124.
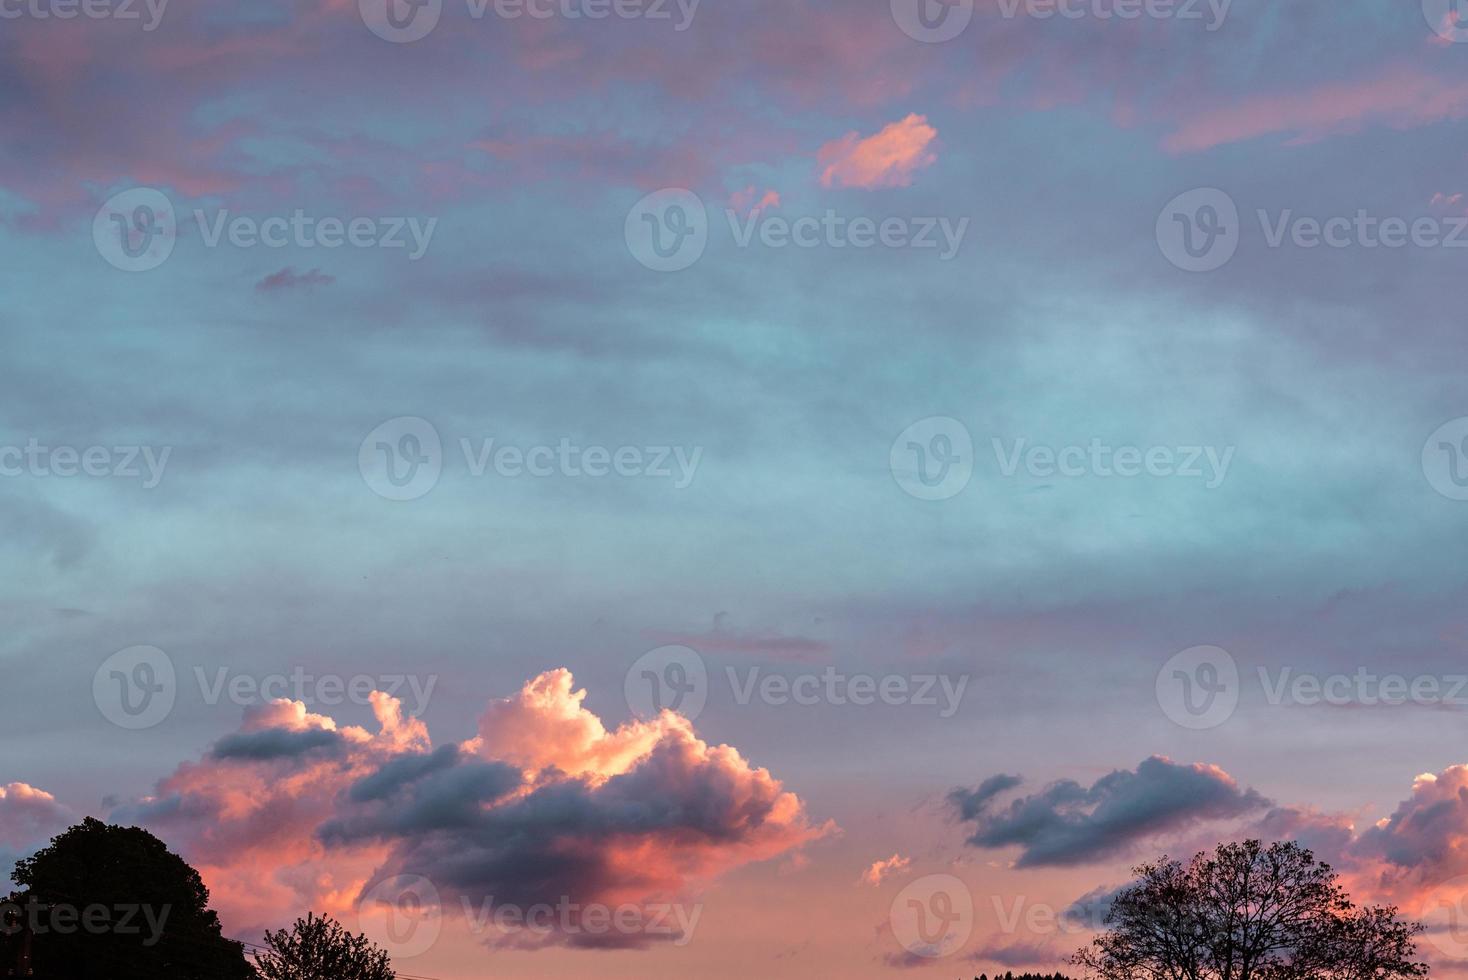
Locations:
column 894, row 865
column 887, row 159
column 545, row 804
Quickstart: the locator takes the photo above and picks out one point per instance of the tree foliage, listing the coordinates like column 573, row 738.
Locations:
column 113, row 903
column 1247, row 912
column 320, row 949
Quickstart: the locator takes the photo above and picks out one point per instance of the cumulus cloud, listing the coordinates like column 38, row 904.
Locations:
column 545, row 805
column 894, row 865
column 29, row 817
column 1067, row 823
column 888, row 158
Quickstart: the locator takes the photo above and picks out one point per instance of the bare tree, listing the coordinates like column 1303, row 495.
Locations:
column 320, row 949
column 1247, row 912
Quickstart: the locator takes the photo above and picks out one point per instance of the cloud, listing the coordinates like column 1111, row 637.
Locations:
column 289, row 278
column 894, row 865
column 749, row 200
column 1067, row 823
column 1400, row 97
column 886, row 159
column 29, row 817
column 544, row 806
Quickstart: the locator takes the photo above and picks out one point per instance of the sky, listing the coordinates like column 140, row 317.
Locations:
column 756, row 487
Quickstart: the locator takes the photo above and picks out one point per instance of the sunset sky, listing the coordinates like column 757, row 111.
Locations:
column 1019, row 440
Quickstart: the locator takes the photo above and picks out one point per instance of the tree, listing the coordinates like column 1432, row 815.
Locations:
column 113, row 903
column 1248, row 913
column 320, row 949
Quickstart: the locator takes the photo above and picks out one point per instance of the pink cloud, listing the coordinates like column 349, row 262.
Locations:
column 887, row 159
column 544, row 804
column 749, row 200
column 894, row 865
column 1401, row 98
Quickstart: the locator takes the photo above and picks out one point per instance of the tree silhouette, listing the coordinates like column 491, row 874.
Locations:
column 1247, row 912
column 320, row 949
column 113, row 903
